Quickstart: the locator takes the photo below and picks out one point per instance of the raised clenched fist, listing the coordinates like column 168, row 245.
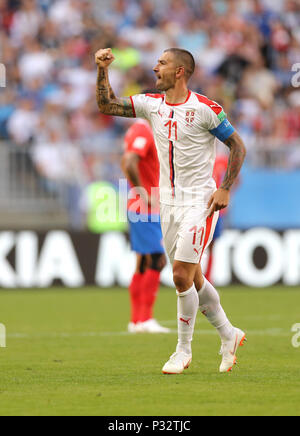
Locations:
column 104, row 57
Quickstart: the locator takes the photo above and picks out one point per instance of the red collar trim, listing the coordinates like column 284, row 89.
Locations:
column 179, row 104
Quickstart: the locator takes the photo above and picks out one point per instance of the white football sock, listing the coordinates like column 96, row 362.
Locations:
column 187, row 308
column 210, row 306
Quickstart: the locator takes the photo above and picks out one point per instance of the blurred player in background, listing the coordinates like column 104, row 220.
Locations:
column 185, row 127
column 141, row 167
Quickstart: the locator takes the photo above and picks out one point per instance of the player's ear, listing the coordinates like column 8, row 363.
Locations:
column 180, row 72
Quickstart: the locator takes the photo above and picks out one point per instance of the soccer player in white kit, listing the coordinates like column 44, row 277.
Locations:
column 185, row 127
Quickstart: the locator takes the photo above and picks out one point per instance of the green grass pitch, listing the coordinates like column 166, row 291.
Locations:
column 68, row 353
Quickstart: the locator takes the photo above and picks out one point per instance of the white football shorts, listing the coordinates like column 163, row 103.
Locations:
column 187, row 231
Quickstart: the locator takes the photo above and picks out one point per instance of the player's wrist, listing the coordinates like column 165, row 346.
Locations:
column 101, row 67
column 225, row 188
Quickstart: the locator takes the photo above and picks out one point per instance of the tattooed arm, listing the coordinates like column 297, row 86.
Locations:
column 221, row 197
column 236, row 160
column 108, row 103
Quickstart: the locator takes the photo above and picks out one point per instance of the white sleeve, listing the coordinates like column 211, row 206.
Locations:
column 212, row 116
column 141, row 106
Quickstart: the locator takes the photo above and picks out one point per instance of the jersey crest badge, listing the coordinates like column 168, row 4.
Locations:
column 190, row 117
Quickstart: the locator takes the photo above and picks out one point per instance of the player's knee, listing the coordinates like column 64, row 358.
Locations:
column 182, row 279
column 143, row 265
column 159, row 261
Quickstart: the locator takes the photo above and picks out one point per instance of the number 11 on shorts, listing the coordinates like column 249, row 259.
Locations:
column 199, row 233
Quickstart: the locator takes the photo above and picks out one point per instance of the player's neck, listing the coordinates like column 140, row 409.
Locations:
column 177, row 95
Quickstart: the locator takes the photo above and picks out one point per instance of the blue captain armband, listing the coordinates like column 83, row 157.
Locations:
column 223, row 131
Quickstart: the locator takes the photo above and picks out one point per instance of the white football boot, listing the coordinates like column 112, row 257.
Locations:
column 177, row 363
column 152, row 326
column 229, row 350
column 133, row 328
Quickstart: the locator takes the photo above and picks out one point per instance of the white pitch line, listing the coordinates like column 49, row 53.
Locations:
column 267, row 332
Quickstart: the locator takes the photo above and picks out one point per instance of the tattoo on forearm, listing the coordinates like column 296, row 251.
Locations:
column 103, row 92
column 106, row 99
column 111, row 93
column 236, row 159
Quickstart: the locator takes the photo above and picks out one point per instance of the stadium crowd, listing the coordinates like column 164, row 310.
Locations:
column 245, row 51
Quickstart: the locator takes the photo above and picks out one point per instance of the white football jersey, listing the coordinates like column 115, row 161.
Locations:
column 185, row 137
